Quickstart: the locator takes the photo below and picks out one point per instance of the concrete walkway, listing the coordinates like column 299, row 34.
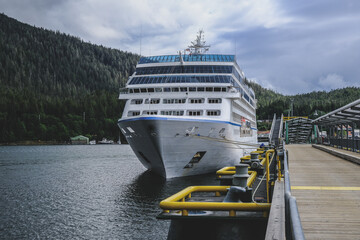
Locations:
column 345, row 154
column 327, row 189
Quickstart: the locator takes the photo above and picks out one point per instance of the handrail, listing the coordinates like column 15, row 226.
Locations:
column 290, row 118
column 268, row 172
column 232, row 171
column 281, row 127
column 272, row 128
column 293, row 223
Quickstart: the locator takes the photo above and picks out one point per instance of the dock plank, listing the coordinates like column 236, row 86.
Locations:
column 325, row 214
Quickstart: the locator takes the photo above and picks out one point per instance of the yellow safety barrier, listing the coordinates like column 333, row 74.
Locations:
column 268, row 152
column 226, row 171
column 231, row 171
column 177, row 202
column 279, row 169
column 248, row 157
column 289, row 118
column 258, row 151
column 252, row 178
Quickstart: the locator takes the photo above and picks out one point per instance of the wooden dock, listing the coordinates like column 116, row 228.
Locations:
column 327, row 189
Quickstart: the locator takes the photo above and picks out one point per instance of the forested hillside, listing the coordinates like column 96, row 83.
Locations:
column 53, row 86
column 270, row 102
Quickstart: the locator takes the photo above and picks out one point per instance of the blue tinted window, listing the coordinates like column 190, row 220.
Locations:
column 185, row 69
column 183, row 79
column 188, row 58
column 246, row 97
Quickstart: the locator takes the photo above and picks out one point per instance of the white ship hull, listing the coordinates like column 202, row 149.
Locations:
column 167, row 146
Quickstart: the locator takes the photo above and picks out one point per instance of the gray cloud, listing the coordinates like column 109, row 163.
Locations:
column 290, row 46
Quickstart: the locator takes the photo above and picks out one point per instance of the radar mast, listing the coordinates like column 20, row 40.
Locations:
column 198, row 45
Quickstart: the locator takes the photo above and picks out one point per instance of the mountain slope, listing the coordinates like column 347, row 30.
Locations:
column 306, row 104
column 54, row 86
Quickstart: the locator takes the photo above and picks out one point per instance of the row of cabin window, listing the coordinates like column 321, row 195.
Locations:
column 176, row 113
column 178, row 89
column 190, row 89
column 175, row 100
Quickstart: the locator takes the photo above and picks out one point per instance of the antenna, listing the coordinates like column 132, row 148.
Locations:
column 140, row 37
column 235, row 42
column 198, row 45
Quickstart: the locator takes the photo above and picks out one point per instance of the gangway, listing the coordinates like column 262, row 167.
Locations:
column 297, row 130
column 276, row 131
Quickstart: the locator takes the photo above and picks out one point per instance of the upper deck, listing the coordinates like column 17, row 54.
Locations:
column 188, row 58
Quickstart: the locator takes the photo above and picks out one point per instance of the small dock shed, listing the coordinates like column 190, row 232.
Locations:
column 79, row 140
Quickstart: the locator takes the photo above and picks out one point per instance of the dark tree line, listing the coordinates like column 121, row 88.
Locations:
column 54, row 86
column 321, row 102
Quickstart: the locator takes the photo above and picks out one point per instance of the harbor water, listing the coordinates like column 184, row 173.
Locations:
column 82, row 192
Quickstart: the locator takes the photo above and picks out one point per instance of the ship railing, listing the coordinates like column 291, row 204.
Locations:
column 272, row 128
column 124, row 91
column 214, row 89
column 280, row 137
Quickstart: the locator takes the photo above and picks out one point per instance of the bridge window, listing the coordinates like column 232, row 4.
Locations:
column 182, row 79
column 183, row 69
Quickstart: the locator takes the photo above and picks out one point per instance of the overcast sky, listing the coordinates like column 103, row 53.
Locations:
column 289, row 46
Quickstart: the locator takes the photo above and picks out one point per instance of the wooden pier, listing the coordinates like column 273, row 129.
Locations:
column 327, row 189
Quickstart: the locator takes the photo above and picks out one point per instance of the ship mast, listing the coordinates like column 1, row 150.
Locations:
column 198, row 45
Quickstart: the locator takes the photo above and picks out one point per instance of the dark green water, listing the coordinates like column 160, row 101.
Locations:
column 82, row 192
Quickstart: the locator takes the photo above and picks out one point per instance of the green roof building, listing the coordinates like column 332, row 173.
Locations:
column 79, row 140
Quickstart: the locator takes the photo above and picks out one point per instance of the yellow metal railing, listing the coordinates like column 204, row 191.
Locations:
column 289, row 118
column 178, row 200
column 268, row 152
column 232, row 171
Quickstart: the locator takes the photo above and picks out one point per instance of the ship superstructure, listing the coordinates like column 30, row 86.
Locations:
column 189, row 113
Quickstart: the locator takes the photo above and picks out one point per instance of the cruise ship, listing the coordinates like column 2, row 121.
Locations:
column 189, row 113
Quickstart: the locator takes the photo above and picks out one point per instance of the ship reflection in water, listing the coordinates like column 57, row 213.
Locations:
column 87, row 192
